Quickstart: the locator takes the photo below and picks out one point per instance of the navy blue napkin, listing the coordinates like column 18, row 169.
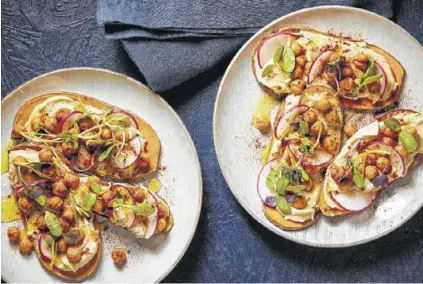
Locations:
column 173, row 41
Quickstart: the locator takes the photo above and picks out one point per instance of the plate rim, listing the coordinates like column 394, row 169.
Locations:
column 169, row 107
column 259, row 33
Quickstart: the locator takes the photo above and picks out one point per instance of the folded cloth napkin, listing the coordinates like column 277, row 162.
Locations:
column 173, row 41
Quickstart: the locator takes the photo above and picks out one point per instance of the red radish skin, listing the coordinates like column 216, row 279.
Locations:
column 384, row 80
column 318, row 65
column 269, row 46
column 133, row 119
column 152, row 220
column 45, row 254
column 69, row 118
column 358, row 203
column 262, row 189
column 287, row 118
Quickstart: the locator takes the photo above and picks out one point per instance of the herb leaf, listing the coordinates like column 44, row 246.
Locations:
column 267, row 70
column 89, row 201
column 303, row 128
column 288, row 64
column 407, row 140
column 96, row 188
column 106, row 153
column 53, row 224
column 42, row 200
column 296, row 188
column 358, row 177
column 393, row 124
column 283, row 204
column 278, row 55
column 370, row 80
column 144, row 209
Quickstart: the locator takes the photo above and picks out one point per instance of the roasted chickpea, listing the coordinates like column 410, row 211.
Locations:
column 310, row 116
column 84, row 158
column 68, row 149
column 59, row 188
column 62, row 113
column 98, row 205
column 388, row 132
column 85, row 124
column 119, row 256
column 45, row 155
column 402, row 151
column 330, row 143
column 55, row 203
column 106, row 134
column 138, row 194
column 36, row 123
column 323, row 105
column 25, row 246
column 69, row 215
column 383, row 164
column 300, row 60
column 61, row 246
column 161, row 226
column 297, row 73
column 108, row 196
column 74, row 254
column 262, row 124
column 14, row 234
column 299, row 202
column 337, row 172
column 413, row 131
column 350, row 128
column 307, row 67
column 347, row 71
column 71, row 180
column 39, row 221
column 371, row 159
column 315, row 128
column 17, row 130
column 371, row 172
column 297, row 86
column 65, row 225
column 389, row 141
column 50, row 123
column 360, row 61
column 331, row 116
column 25, row 204
column 296, row 48
column 374, row 87
column 19, row 160
column 347, row 84
column 94, row 179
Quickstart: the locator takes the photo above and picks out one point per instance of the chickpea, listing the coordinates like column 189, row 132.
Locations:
column 98, row 205
column 36, row 123
column 389, row 141
column 68, row 149
column 413, row 131
column 347, row 84
column 59, row 189
column 360, row 61
column 315, row 128
column 138, row 194
column 55, row 203
column 71, row 180
column 65, row 225
column 300, row 202
column 106, row 134
column 371, row 172
column 19, row 160
column 74, row 254
column 297, row 73
column 402, row 151
column 50, row 123
column 331, row 116
column 262, row 124
column 85, row 124
column 297, row 86
column 347, row 71
column 108, row 196
column 307, row 68
column 17, row 130
column 337, row 172
column 94, row 179
column 61, row 246
column 388, row 132
column 300, row 60
column 323, row 105
column 161, row 226
column 45, row 155
column 383, row 164
column 14, row 234
column 69, row 215
column 25, row 246
column 296, row 48
column 84, row 158
column 371, row 159
column 350, row 128
column 310, row 116
column 330, row 143
column 62, row 113
column 164, row 209
column 374, row 87
column 25, row 204
column 119, row 256
column 39, row 221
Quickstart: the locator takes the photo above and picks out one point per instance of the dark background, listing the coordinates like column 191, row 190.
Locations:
column 229, row 246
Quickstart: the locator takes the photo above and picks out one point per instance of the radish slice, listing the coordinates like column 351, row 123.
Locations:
column 287, row 118
column 269, row 46
column 131, row 154
column 383, row 80
column 152, row 220
column 354, row 201
column 264, row 192
column 317, row 158
column 131, row 219
column 44, row 248
column 132, row 118
column 396, row 160
column 318, row 65
column 66, row 123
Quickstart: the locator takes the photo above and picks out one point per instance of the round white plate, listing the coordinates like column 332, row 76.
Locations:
column 238, row 144
column 148, row 260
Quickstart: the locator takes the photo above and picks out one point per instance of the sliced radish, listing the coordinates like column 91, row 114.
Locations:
column 383, row 80
column 44, row 248
column 289, row 116
column 317, row 158
column 131, row 117
column 354, row 200
column 263, row 191
column 67, row 122
column 397, row 162
column 318, row 65
column 269, row 46
column 152, row 220
column 130, row 153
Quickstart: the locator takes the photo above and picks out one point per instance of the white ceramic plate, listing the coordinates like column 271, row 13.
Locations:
column 149, row 260
column 238, row 143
